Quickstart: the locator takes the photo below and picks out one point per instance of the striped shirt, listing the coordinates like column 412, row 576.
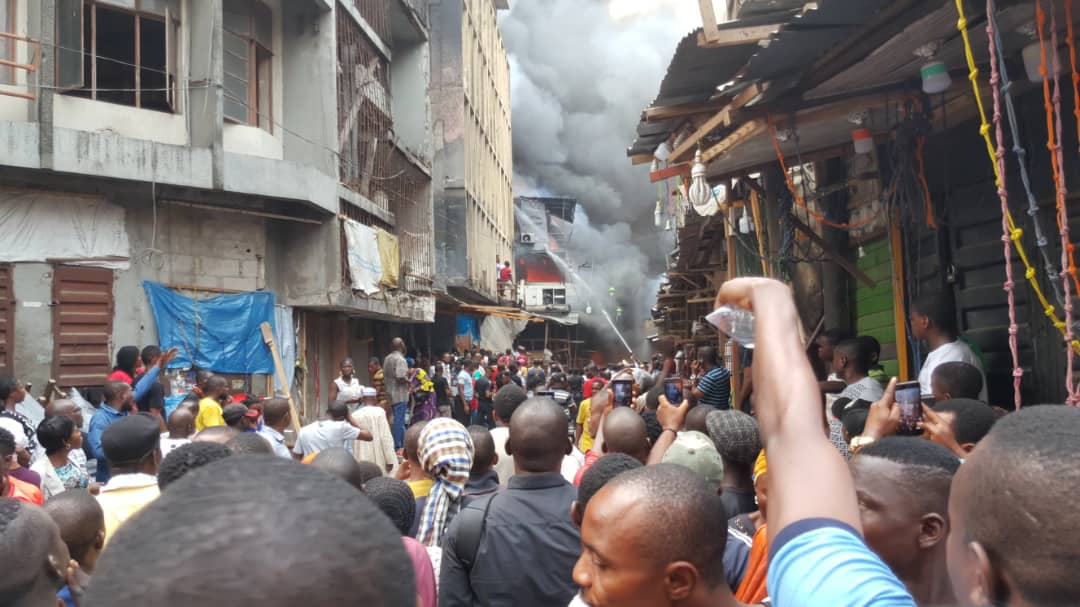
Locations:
column 716, row 388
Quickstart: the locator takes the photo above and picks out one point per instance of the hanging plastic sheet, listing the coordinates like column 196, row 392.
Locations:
column 365, row 265
column 285, row 336
column 220, row 334
column 467, row 334
column 390, row 258
column 498, row 334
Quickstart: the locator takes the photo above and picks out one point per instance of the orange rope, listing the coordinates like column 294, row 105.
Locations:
column 930, row 221
column 799, row 200
column 1076, row 114
column 1040, row 17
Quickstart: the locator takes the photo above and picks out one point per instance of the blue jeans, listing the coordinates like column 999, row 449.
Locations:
column 397, row 429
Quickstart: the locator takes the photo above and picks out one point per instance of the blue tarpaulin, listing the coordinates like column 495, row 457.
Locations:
column 466, row 325
column 220, row 334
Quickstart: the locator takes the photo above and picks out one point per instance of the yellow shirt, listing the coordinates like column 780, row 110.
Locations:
column 421, row 488
column 583, row 413
column 209, row 414
column 121, row 504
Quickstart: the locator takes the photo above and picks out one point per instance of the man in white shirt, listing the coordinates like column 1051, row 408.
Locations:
column 338, row 431
column 277, row 417
column 463, row 407
column 933, row 322
column 372, row 417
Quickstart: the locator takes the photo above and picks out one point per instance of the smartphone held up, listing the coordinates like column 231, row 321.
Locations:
column 623, row 392
column 909, row 400
column 673, row 390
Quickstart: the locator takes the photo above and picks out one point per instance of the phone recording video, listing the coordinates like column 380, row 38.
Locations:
column 673, row 390
column 909, row 400
column 623, row 390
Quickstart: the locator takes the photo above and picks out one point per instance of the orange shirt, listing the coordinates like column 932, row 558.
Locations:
column 753, row 589
column 23, row 491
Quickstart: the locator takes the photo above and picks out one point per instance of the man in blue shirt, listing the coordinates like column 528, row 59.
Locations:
column 714, row 386
column 465, row 392
column 119, row 401
column 817, row 554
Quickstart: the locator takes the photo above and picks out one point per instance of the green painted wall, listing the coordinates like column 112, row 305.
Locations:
column 874, row 305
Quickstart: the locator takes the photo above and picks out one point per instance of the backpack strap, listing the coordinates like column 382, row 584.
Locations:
column 471, row 530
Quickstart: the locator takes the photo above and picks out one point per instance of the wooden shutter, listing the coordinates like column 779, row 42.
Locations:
column 82, row 325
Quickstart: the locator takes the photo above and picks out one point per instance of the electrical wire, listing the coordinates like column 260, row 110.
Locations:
column 799, row 200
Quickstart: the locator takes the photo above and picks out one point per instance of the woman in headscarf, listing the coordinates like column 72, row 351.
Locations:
column 446, row 454
column 127, row 359
column 752, row 589
column 423, row 392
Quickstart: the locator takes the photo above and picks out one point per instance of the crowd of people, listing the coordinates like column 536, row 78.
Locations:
column 492, row 479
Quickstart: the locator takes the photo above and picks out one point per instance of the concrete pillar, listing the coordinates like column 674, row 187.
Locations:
column 44, row 14
column 205, row 107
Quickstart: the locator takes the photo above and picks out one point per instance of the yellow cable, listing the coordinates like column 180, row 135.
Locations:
column 1015, row 233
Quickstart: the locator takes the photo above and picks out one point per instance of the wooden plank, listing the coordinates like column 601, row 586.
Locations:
column 637, row 159
column 737, row 36
column 666, row 112
column 708, row 19
column 722, row 117
column 896, row 246
column 833, row 254
column 748, row 130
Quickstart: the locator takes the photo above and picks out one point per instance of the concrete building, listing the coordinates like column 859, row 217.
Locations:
column 213, row 146
column 473, row 160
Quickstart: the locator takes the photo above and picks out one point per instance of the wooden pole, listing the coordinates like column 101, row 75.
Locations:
column 268, row 337
column 899, row 318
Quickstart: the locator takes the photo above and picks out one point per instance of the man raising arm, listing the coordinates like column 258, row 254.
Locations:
column 817, row 556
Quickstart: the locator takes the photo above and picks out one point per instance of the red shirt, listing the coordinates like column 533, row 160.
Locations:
column 505, row 274
column 590, row 458
column 119, row 375
column 23, row 491
column 587, row 389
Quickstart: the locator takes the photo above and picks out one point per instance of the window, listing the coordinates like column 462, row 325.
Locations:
column 249, row 63
column 554, row 297
column 124, row 52
column 7, row 45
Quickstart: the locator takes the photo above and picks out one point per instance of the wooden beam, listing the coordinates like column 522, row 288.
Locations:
column 678, row 170
column 637, row 159
column 737, row 36
column 708, row 18
column 833, row 254
column 748, row 130
column 666, row 112
column 722, row 117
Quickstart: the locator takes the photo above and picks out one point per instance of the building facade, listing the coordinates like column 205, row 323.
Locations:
column 473, row 163
column 212, row 146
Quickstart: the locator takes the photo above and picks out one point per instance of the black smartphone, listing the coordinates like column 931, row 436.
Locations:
column 909, row 400
column 623, row 389
column 673, row 390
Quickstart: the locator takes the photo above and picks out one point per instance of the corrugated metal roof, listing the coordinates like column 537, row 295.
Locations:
column 692, row 77
column 806, row 37
column 694, row 72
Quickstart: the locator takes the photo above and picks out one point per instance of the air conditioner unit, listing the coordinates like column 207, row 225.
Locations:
column 527, row 238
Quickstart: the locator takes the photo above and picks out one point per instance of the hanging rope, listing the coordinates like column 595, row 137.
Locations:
column 984, row 131
column 799, row 199
column 1041, row 242
column 1059, row 180
column 1076, row 116
column 1003, row 195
